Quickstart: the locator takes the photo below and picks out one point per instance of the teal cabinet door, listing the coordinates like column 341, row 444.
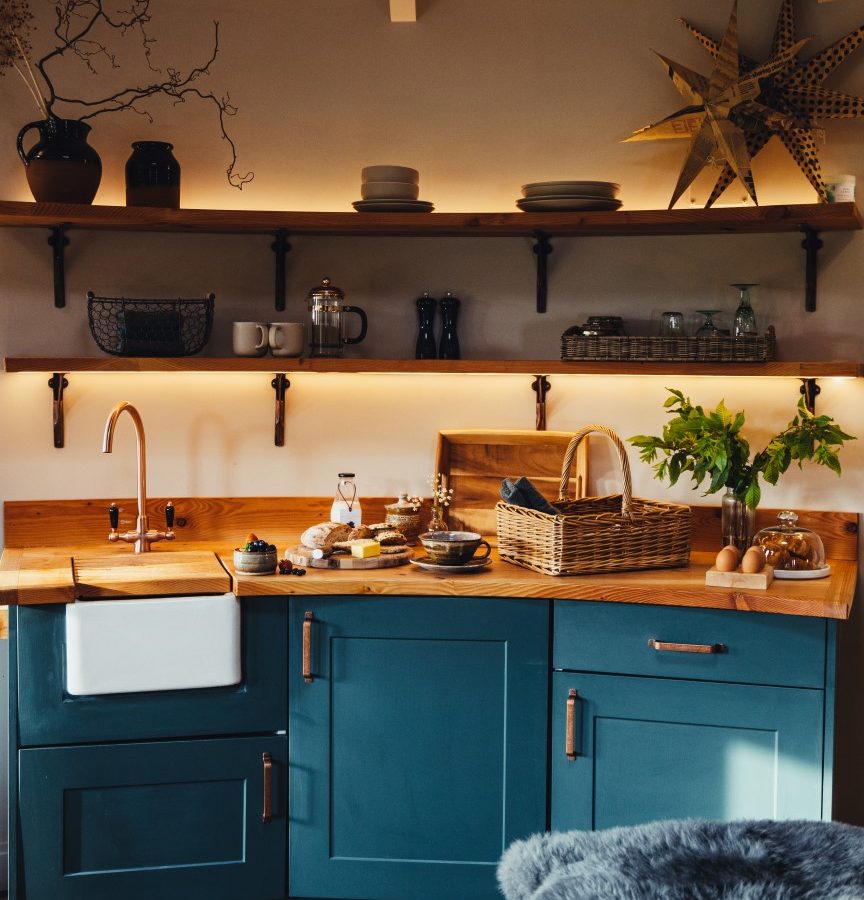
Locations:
column 169, row 820
column 418, row 748
column 654, row 748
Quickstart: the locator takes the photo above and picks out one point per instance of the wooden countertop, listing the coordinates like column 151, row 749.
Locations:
column 28, row 576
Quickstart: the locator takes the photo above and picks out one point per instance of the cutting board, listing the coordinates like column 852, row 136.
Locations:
column 301, row 556
column 475, row 462
column 122, row 573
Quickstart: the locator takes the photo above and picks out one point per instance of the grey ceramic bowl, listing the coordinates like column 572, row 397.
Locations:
column 453, row 548
column 261, row 563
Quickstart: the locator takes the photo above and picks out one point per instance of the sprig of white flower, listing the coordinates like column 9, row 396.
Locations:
column 441, row 494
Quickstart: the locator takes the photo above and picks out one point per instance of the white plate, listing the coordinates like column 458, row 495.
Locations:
column 563, row 204
column 393, row 206
column 802, row 574
column 606, row 189
column 473, row 565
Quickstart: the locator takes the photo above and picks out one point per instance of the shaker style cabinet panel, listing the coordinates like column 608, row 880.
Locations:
column 48, row 715
column 174, row 820
column 417, row 743
column 654, row 748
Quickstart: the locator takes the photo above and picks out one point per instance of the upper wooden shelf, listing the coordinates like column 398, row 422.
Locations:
column 843, row 369
column 726, row 220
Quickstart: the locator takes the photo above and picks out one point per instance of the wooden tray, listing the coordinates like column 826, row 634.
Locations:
column 301, row 556
column 474, row 463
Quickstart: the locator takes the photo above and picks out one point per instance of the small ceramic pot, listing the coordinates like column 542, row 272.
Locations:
column 453, row 548
column 248, row 562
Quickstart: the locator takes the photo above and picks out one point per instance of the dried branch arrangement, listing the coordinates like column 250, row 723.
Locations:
column 82, row 29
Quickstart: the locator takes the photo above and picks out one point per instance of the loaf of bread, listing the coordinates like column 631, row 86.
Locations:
column 324, row 535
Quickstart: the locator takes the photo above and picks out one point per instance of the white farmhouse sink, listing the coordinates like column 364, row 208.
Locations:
column 154, row 644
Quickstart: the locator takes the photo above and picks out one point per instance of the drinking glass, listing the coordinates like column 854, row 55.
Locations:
column 672, row 324
column 745, row 318
column 709, row 327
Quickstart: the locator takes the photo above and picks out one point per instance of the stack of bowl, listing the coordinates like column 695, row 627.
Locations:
column 390, row 189
column 545, row 196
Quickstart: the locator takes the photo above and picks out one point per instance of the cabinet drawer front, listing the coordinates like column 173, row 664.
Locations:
column 710, row 644
column 643, row 749
column 173, row 820
column 48, row 715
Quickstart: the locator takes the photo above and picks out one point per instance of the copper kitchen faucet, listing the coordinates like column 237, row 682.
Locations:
column 142, row 536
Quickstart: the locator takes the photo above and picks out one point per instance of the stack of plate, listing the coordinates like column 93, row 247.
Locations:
column 391, row 189
column 548, row 196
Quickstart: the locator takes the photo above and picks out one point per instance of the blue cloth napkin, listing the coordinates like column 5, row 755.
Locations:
column 522, row 493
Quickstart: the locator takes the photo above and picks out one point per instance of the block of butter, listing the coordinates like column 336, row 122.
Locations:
column 363, row 548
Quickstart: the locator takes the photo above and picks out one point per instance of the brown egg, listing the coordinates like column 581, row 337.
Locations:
column 753, row 560
column 727, row 560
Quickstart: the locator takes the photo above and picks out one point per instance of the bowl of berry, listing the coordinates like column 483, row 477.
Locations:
column 255, row 557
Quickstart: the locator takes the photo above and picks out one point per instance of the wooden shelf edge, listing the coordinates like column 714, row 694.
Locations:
column 637, row 222
column 826, row 369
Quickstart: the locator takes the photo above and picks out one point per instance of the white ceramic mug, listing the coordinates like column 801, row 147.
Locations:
column 250, row 338
column 286, row 338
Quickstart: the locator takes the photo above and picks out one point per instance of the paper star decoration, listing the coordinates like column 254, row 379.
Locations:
column 732, row 114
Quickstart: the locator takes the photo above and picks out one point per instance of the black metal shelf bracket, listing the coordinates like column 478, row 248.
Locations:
column 810, row 390
column 542, row 249
column 280, row 384
column 58, row 242
column 812, row 245
column 58, row 383
column 541, row 388
column 280, row 247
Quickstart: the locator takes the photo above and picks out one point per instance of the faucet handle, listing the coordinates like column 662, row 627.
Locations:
column 169, row 515
column 114, row 516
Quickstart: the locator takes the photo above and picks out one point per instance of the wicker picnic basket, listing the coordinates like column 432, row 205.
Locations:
column 595, row 534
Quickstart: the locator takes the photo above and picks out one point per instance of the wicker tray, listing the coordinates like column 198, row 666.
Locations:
column 665, row 349
column 595, row 534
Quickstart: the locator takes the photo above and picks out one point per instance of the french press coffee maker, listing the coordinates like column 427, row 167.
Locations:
column 326, row 307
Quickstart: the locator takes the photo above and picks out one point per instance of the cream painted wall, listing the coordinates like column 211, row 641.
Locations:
column 481, row 96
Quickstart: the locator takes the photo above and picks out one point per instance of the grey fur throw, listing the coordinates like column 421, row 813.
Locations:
column 689, row 860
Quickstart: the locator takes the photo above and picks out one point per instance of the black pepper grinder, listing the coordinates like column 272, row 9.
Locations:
column 426, row 347
column 448, row 348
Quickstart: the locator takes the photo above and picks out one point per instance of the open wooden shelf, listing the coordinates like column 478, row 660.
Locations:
column 726, row 220
column 841, row 369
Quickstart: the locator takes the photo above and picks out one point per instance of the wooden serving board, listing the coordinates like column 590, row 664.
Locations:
column 302, row 556
column 473, row 463
column 756, row 580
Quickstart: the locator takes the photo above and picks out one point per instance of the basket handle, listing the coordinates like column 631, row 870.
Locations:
column 622, row 456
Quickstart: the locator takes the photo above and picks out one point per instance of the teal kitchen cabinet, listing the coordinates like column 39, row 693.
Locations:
column 661, row 712
column 168, row 819
column 417, row 743
column 169, row 794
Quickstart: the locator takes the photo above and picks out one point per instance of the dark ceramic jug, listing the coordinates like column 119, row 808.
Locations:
column 152, row 175
column 61, row 166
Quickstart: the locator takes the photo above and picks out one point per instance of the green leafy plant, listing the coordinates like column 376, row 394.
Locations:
column 711, row 447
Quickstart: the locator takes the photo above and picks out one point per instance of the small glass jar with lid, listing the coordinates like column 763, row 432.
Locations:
column 790, row 547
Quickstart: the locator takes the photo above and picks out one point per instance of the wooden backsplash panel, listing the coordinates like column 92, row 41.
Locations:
column 474, row 463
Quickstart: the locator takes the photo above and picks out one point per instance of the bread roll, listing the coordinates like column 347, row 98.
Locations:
column 324, row 535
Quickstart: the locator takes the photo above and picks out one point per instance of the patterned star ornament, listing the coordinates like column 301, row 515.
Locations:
column 731, row 116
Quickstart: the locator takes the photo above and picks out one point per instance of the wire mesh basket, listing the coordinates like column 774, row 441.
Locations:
column 124, row 327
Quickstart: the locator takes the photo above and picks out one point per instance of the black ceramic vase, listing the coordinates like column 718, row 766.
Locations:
column 61, row 166
column 152, row 175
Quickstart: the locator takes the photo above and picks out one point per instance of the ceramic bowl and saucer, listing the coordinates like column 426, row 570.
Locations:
column 453, row 552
